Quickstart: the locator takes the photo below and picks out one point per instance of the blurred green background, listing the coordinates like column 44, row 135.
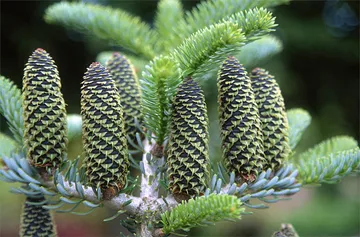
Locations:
column 317, row 70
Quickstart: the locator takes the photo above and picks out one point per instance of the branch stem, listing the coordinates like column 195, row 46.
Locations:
column 150, row 180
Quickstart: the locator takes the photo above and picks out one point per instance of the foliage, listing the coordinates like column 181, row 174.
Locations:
column 299, row 120
column 105, row 23
column 11, row 108
column 168, row 16
column 253, row 53
column 182, row 49
column 329, row 169
column 327, row 147
column 201, row 211
column 213, row 11
column 7, row 145
column 208, row 47
column 158, row 85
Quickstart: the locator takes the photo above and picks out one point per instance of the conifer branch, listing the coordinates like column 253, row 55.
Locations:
column 11, row 108
column 158, row 85
column 168, row 16
column 268, row 186
column 329, row 169
column 7, row 145
column 208, row 47
column 327, row 147
column 299, row 120
column 213, row 11
column 105, row 23
column 201, row 211
column 258, row 51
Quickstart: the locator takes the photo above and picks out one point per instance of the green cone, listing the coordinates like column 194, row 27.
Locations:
column 187, row 151
column 44, row 112
column 127, row 83
column 240, row 122
column 105, row 144
column 36, row 221
column 273, row 118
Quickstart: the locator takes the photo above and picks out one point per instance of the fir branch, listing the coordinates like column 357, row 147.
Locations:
column 7, row 145
column 258, row 51
column 254, row 23
column 105, row 23
column 138, row 62
column 208, row 47
column 267, row 187
column 329, row 169
column 329, row 146
column 253, row 53
column 299, row 120
column 201, row 211
column 11, row 108
column 213, row 11
column 158, row 85
column 69, row 184
column 169, row 14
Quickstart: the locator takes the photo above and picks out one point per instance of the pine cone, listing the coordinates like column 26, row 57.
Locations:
column 187, row 151
column 273, row 118
column 44, row 112
column 105, row 144
column 36, row 221
column 127, row 83
column 240, row 122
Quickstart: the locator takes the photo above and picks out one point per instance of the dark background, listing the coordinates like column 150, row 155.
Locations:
column 318, row 70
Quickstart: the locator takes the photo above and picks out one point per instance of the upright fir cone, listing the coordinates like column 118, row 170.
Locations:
column 105, row 144
column 126, row 81
column 187, row 151
column 240, row 122
column 36, row 221
column 273, row 118
column 45, row 134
